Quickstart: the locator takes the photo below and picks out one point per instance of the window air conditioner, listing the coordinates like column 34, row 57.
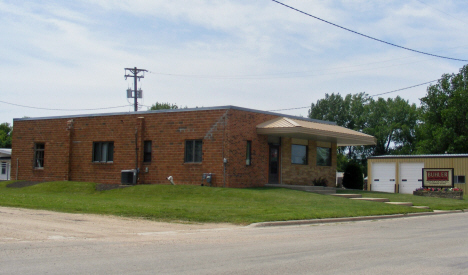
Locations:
column 129, row 176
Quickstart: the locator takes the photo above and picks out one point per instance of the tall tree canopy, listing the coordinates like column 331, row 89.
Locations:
column 392, row 121
column 444, row 115
column 5, row 135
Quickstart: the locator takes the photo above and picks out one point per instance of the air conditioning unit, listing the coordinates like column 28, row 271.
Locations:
column 129, row 176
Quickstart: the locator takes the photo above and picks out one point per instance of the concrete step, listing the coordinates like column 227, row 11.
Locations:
column 306, row 188
column 372, row 199
column 421, row 207
column 400, row 203
column 323, row 192
column 349, row 196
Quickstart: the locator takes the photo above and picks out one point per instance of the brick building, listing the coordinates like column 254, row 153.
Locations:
column 240, row 147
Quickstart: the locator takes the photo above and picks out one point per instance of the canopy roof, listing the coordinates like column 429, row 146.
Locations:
column 296, row 128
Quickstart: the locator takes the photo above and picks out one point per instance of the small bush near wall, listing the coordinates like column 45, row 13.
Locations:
column 447, row 193
column 352, row 178
column 319, row 182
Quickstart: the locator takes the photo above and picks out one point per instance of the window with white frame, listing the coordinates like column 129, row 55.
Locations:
column 103, row 151
column 39, row 155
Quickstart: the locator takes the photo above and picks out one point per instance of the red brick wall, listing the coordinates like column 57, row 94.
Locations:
column 224, row 132
column 55, row 137
column 242, row 127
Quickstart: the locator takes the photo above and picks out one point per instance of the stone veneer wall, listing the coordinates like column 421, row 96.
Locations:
column 297, row 174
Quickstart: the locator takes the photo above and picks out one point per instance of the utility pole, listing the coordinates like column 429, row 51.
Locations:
column 136, row 94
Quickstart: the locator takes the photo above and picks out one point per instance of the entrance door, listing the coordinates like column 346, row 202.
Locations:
column 273, row 171
column 4, row 173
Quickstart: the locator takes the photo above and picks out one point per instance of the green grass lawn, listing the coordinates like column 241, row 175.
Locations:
column 433, row 203
column 200, row 204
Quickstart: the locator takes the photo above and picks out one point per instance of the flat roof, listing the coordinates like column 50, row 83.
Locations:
column 180, row 110
column 420, row 156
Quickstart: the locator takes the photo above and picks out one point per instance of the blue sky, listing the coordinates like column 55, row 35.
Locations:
column 253, row 54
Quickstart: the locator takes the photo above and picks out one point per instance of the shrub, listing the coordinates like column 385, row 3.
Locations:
column 319, row 182
column 352, row 178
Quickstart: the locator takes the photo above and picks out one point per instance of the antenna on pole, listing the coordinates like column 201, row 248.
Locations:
column 135, row 93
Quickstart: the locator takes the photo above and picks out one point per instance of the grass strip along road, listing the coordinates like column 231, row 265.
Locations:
column 206, row 204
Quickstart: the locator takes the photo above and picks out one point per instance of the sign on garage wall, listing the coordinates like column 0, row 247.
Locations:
column 437, row 177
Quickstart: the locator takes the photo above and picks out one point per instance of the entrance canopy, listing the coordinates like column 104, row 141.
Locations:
column 296, row 128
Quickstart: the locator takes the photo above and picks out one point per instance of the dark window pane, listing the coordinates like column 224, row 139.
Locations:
column 323, row 156
column 198, row 151
column 193, row 151
column 110, row 152
column 189, row 151
column 147, row 151
column 96, row 151
column 298, row 154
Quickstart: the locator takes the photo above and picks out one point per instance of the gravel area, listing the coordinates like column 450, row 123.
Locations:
column 19, row 225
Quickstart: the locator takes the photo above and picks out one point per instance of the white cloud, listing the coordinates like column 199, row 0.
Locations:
column 259, row 54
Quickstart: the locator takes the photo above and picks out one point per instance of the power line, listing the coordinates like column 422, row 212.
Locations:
column 441, row 11
column 406, row 88
column 49, row 109
column 285, row 75
column 369, row 95
column 367, row 36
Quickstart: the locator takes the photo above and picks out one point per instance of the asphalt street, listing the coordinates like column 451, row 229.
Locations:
column 416, row 245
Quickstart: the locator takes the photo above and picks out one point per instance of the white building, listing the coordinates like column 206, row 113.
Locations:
column 5, row 163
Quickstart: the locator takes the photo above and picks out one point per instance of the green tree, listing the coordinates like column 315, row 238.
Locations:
column 163, row 106
column 347, row 112
column 5, row 135
column 392, row 121
column 444, row 116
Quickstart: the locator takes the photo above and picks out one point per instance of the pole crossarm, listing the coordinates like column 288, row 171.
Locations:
column 135, row 74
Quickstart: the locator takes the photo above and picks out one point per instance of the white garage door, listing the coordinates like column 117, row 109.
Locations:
column 383, row 177
column 410, row 177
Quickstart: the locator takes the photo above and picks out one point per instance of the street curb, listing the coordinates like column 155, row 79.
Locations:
column 353, row 219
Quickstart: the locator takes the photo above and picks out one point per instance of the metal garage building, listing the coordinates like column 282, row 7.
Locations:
column 404, row 174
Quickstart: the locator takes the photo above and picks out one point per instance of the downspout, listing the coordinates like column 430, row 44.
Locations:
column 281, row 161
column 224, row 162
column 17, row 165
column 136, row 155
column 70, row 144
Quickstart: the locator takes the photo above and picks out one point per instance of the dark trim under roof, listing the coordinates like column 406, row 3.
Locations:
column 420, row 156
column 180, row 110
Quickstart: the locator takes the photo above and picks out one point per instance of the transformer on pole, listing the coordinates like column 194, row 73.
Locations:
column 134, row 72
